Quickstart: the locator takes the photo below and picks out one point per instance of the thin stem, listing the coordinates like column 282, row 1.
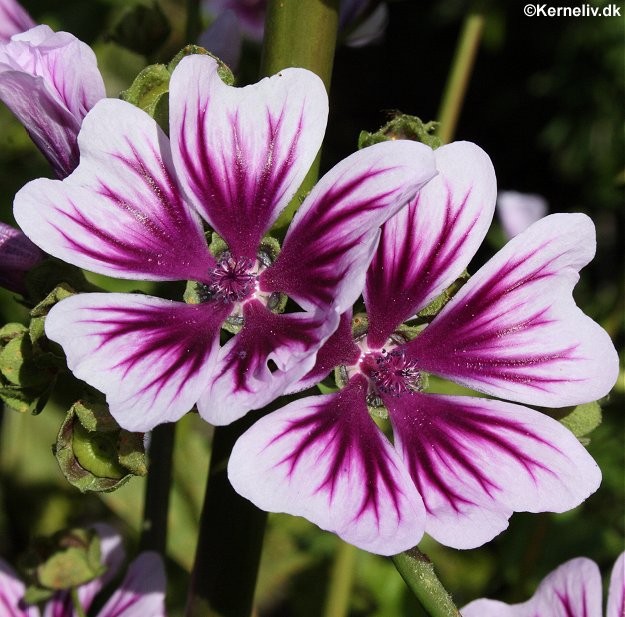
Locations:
column 459, row 76
column 300, row 33
column 157, row 489
column 418, row 572
column 193, row 26
column 230, row 540
column 79, row 610
column 337, row 600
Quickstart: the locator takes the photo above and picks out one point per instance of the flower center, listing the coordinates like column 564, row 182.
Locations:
column 390, row 372
column 230, row 280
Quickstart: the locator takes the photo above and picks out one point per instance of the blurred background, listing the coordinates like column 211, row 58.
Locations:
column 546, row 102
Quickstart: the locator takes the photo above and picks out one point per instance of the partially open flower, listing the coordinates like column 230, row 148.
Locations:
column 50, row 80
column 13, row 19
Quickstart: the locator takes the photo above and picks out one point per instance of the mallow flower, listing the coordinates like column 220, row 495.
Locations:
column 50, row 80
column 13, row 19
column 572, row 590
column 135, row 207
column 457, row 466
column 140, row 594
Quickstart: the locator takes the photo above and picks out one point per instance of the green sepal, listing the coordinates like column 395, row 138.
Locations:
column 27, row 375
column 142, row 28
column 402, row 126
column 68, row 559
column 35, row 595
column 150, row 92
column 194, row 292
column 217, row 246
column 428, row 313
column 223, row 70
column 581, row 420
column 93, row 452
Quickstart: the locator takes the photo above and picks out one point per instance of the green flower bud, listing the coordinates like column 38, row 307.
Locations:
column 402, row 126
column 94, row 453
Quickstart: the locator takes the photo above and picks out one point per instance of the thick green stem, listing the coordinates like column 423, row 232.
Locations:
column 229, row 543
column 418, row 572
column 156, row 504
column 300, row 33
column 78, row 609
column 459, row 76
column 337, row 600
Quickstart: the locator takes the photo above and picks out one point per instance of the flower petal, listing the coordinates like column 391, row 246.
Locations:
column 50, row 80
column 325, row 459
column 243, row 152
column 121, row 212
column 11, row 593
column 151, row 357
column 338, row 349
column 427, row 245
column 475, row 461
column 333, row 235
column 260, row 362
column 142, row 593
column 13, row 19
column 572, row 590
column 514, row 331
column 616, row 592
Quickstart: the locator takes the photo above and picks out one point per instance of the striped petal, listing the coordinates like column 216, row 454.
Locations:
column 325, row 459
column 11, row 593
column 475, row 461
column 428, row 244
column 572, row 590
column 13, row 19
column 333, row 235
column 121, row 212
column 243, row 152
column 151, row 357
column 616, row 591
column 142, row 592
column 514, row 331
column 17, row 256
column 270, row 353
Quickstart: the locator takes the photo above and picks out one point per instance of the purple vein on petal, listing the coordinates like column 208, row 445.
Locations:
column 352, row 442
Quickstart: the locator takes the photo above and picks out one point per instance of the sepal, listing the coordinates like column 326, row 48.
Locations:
column 149, row 91
column 581, row 420
column 94, row 453
column 66, row 560
column 402, row 126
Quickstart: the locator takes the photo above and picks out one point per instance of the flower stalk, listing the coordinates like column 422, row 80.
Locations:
column 459, row 76
column 230, row 540
column 80, row 612
column 300, row 34
column 418, row 572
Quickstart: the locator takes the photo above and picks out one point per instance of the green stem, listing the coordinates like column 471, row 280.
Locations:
column 80, row 611
column 230, row 540
column 193, row 26
column 458, row 80
column 418, row 572
column 337, row 600
column 157, row 488
column 300, row 33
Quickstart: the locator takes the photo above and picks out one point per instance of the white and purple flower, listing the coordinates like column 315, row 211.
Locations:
column 13, row 19
column 457, row 466
column 50, row 80
column 141, row 593
column 135, row 206
column 572, row 590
